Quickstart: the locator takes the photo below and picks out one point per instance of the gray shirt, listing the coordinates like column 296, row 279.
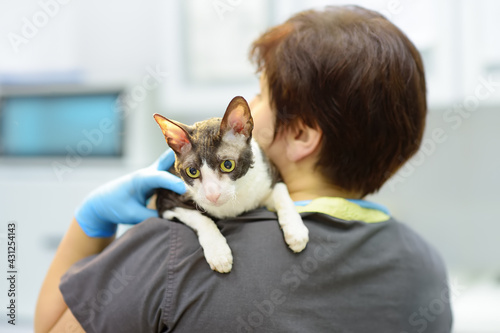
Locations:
column 352, row 277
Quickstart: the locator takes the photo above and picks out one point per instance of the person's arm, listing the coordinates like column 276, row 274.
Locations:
column 75, row 245
column 123, row 201
column 67, row 323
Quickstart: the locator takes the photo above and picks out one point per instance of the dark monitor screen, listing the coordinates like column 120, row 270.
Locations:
column 50, row 125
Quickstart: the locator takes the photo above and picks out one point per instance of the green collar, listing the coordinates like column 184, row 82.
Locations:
column 343, row 209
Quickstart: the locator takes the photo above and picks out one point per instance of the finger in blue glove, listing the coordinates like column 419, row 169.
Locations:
column 124, row 200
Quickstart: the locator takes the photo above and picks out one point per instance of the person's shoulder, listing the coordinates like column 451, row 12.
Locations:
column 411, row 241
column 159, row 234
column 152, row 227
column 422, row 277
column 421, row 258
column 152, row 224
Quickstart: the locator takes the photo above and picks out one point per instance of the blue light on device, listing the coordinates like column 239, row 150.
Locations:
column 52, row 125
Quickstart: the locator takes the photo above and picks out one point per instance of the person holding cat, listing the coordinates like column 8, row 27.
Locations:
column 341, row 108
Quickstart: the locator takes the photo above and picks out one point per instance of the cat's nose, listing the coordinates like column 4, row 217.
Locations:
column 213, row 197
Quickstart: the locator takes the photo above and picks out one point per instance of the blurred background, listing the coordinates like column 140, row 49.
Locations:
column 79, row 82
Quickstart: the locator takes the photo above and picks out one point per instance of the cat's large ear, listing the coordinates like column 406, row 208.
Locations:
column 237, row 118
column 176, row 136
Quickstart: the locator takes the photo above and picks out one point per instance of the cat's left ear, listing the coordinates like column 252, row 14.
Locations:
column 176, row 136
column 237, row 118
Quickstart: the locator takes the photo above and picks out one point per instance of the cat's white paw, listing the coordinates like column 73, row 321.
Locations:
column 219, row 256
column 296, row 234
column 217, row 252
column 169, row 215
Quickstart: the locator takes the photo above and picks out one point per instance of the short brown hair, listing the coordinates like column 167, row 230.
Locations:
column 353, row 74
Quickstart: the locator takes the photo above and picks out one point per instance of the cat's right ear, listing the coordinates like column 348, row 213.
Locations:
column 176, row 136
column 238, row 118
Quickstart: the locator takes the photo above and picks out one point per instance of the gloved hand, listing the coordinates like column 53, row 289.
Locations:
column 124, row 200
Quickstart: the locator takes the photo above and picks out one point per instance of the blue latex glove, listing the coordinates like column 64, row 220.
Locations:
column 124, row 200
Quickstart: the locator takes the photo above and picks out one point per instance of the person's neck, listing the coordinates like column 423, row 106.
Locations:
column 305, row 183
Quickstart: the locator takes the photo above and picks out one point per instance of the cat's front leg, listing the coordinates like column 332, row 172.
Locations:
column 295, row 232
column 214, row 244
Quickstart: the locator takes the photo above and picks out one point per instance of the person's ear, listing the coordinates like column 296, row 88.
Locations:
column 302, row 141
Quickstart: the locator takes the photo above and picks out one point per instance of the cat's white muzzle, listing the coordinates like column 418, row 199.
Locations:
column 212, row 190
column 213, row 198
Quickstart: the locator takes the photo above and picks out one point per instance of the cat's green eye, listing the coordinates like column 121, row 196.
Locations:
column 193, row 172
column 227, row 166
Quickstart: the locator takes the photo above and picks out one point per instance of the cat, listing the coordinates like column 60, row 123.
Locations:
column 226, row 174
